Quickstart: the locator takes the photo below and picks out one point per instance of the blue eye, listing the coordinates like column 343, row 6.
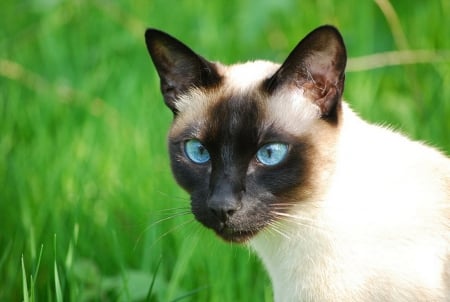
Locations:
column 196, row 152
column 272, row 154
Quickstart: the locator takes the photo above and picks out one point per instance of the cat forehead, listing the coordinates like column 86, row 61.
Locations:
column 236, row 79
column 245, row 76
column 288, row 108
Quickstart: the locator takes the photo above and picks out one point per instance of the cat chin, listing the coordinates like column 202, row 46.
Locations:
column 236, row 236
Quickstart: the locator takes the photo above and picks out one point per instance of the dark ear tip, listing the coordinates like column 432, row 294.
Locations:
column 326, row 35
column 151, row 33
column 155, row 38
column 330, row 29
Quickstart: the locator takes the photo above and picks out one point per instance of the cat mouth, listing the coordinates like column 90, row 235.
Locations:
column 237, row 236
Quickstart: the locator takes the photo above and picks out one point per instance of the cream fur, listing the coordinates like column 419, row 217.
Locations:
column 379, row 232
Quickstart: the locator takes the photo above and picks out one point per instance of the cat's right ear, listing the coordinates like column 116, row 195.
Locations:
column 179, row 68
column 317, row 67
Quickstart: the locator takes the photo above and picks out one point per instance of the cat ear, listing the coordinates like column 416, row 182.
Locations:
column 178, row 67
column 316, row 65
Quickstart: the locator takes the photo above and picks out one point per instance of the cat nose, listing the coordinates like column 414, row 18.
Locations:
column 224, row 209
column 224, row 200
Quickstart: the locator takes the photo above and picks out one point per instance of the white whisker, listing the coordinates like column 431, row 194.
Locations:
column 174, row 213
column 185, row 212
column 303, row 221
column 175, row 228
column 276, row 227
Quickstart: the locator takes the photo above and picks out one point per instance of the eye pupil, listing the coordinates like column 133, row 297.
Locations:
column 196, row 152
column 272, row 154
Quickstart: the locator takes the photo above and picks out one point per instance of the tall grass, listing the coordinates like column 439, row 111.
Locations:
column 88, row 208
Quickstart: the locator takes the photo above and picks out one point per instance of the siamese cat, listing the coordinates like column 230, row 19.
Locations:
column 336, row 208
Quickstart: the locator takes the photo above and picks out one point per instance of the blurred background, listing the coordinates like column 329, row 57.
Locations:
column 88, row 208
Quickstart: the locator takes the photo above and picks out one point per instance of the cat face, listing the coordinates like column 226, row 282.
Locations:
column 246, row 139
column 236, row 164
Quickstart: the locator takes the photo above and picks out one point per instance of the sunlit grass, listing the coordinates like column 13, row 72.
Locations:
column 85, row 185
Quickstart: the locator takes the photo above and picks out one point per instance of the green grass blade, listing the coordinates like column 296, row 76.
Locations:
column 152, row 284
column 26, row 297
column 58, row 290
column 38, row 265
column 36, row 271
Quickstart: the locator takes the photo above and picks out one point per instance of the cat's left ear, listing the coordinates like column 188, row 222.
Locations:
column 317, row 66
column 179, row 68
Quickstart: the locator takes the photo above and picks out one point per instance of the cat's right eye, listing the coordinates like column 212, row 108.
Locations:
column 196, row 152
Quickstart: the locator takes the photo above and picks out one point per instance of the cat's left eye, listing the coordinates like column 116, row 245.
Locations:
column 272, row 154
column 196, row 152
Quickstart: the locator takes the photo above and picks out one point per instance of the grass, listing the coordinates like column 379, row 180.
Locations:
column 88, row 208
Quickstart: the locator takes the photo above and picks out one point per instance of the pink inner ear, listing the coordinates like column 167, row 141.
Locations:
column 322, row 85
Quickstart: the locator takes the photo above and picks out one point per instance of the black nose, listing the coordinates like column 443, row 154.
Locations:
column 223, row 209
column 224, row 201
column 225, row 195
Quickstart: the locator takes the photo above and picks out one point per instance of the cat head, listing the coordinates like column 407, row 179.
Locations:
column 251, row 141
